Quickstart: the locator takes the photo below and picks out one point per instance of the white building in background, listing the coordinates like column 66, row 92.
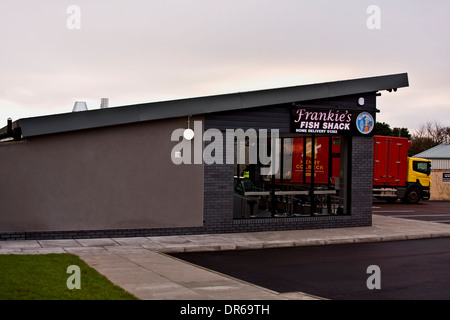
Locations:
column 440, row 170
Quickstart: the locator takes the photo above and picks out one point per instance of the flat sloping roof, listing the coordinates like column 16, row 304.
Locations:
column 73, row 121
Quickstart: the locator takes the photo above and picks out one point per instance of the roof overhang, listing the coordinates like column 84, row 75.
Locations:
column 73, row 121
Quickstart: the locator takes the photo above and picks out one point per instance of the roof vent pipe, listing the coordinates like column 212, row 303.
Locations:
column 11, row 133
column 9, row 128
column 79, row 106
column 104, row 103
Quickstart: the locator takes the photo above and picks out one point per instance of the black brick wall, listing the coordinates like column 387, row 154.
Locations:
column 362, row 179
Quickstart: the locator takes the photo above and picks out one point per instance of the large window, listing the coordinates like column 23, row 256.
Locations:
column 311, row 179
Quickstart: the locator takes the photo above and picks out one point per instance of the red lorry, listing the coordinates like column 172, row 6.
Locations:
column 397, row 176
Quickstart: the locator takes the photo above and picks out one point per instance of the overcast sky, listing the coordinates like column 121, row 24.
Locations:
column 139, row 51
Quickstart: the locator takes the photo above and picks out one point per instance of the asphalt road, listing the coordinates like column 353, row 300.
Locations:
column 433, row 211
column 409, row 270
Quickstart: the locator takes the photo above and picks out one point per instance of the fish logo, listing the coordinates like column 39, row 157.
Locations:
column 365, row 123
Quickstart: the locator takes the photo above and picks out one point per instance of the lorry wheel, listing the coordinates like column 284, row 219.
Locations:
column 414, row 194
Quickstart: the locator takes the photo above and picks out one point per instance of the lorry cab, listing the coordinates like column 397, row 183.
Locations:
column 418, row 180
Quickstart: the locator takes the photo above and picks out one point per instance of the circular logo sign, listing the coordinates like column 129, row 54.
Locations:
column 365, row 123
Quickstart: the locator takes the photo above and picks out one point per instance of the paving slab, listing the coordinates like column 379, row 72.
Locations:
column 20, row 244
column 10, row 251
column 165, row 291
column 52, row 250
column 85, row 250
column 133, row 241
column 68, row 243
column 101, row 242
column 299, row 296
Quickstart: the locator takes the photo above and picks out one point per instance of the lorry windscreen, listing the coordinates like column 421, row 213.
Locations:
column 422, row 167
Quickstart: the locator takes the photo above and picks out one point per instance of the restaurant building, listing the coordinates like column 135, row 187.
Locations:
column 280, row 159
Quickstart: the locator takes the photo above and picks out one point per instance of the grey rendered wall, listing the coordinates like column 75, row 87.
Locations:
column 105, row 179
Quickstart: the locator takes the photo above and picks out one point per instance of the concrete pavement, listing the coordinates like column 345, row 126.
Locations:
column 142, row 267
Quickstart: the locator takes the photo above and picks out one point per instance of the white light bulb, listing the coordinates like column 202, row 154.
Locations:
column 188, row 134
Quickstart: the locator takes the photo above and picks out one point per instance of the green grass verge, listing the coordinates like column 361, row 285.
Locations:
column 44, row 277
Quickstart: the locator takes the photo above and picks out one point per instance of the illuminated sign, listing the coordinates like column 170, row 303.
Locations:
column 331, row 121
